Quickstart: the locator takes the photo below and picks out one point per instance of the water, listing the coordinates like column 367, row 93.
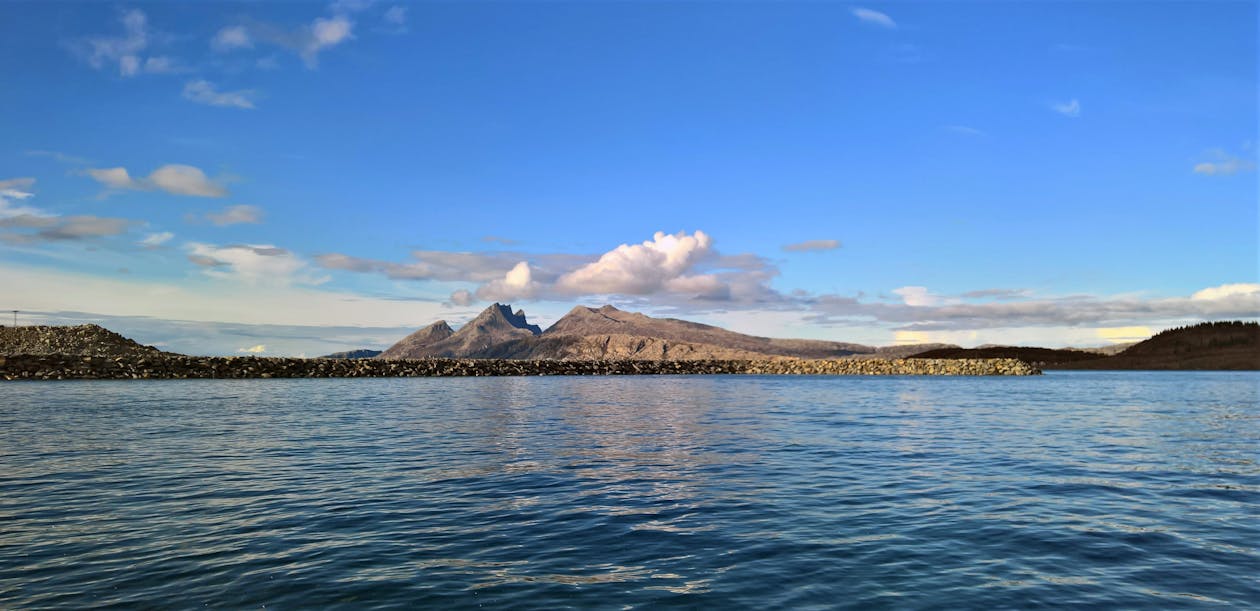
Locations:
column 1071, row 489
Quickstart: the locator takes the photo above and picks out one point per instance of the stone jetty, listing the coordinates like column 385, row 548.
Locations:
column 172, row 366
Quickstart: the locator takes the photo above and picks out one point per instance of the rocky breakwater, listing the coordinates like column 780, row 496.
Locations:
column 170, row 366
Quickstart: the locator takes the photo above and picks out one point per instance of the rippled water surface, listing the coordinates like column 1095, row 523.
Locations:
column 1091, row 488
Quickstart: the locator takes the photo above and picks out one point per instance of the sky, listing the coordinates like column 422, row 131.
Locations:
column 298, row 178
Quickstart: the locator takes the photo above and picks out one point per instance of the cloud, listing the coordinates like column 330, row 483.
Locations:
column 963, row 130
column 154, row 240
column 462, row 297
column 164, row 65
column 60, row 228
column 917, row 296
column 59, row 157
column 1070, row 108
column 258, row 349
column 350, row 6
column 12, row 191
column 494, row 239
column 812, row 246
column 252, row 264
column 1224, row 164
column 996, row 294
column 395, row 19
column 517, row 283
column 671, row 268
column 325, row 33
column 124, row 50
column 24, row 224
column 307, row 41
column 922, row 310
column 172, row 178
column 231, row 38
column 642, row 269
column 236, row 215
column 1226, row 290
column 873, row 17
column 204, row 92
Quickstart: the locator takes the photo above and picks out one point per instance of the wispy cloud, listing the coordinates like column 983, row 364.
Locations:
column 963, row 130
column 1224, row 164
column 812, row 246
column 202, row 91
column 494, row 239
column 873, row 17
column 155, row 240
column 395, row 19
column 126, row 52
column 174, row 178
column 253, row 264
column 236, row 215
column 1071, row 108
column 60, row 157
column 231, row 38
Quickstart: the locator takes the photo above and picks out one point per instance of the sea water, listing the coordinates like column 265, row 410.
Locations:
column 1115, row 489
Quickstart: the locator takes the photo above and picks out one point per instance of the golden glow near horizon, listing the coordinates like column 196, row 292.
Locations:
column 1120, row 335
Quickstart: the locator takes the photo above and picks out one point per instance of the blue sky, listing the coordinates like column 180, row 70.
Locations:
column 215, row 177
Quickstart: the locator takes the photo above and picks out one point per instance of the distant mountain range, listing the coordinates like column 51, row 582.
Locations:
column 1207, row 346
column 610, row 333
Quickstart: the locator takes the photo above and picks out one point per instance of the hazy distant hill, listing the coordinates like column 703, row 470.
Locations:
column 610, row 333
column 1206, row 346
column 362, row 353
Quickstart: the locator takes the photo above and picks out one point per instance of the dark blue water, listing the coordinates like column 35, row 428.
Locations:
column 1071, row 489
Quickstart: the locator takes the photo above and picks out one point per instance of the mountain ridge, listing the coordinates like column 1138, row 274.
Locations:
column 607, row 332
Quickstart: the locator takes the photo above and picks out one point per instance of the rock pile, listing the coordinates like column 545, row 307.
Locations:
column 80, row 340
column 172, row 366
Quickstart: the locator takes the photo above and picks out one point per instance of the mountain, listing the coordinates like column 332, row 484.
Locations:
column 495, row 325
column 609, row 333
column 609, row 321
column 413, row 346
column 362, row 353
column 1206, row 346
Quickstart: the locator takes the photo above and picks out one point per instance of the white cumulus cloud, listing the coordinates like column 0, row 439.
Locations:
column 1226, row 290
column 641, row 269
column 517, row 283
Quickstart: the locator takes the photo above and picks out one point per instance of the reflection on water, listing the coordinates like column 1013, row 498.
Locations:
column 1108, row 489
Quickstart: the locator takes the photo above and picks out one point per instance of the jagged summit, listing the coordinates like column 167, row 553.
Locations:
column 503, row 312
column 494, row 325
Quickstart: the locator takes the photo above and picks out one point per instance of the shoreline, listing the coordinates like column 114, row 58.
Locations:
column 171, row 367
